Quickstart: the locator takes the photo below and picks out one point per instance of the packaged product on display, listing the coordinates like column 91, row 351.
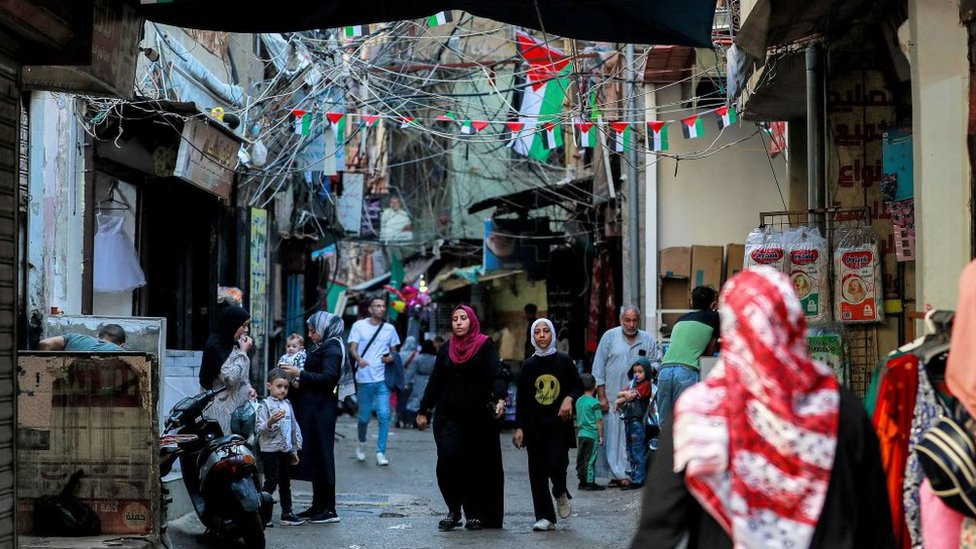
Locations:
column 807, row 254
column 858, row 291
column 764, row 246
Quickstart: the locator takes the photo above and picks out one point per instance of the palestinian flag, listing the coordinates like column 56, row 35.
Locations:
column 551, row 138
column 439, row 19
column 542, row 98
column 516, row 128
column 587, row 134
column 693, row 127
column 337, row 122
column 471, row 127
column 406, row 122
column 726, row 116
column 449, row 117
column 621, row 136
column 657, row 135
column 303, row 122
column 369, row 120
column 355, row 31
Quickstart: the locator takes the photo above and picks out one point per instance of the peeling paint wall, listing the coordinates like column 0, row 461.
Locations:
column 96, row 413
column 56, row 208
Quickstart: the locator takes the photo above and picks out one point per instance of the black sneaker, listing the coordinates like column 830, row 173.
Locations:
column 325, row 517
column 473, row 524
column 290, row 519
column 452, row 521
column 309, row 513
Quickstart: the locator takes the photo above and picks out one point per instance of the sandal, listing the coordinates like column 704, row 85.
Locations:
column 618, row 483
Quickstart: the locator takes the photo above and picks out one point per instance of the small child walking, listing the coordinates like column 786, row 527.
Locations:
column 589, row 434
column 294, row 355
column 280, row 439
column 631, row 406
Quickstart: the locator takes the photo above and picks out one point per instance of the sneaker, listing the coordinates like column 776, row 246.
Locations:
column 309, row 513
column 291, row 519
column 563, row 506
column 381, row 459
column 473, row 524
column 360, row 454
column 452, row 521
column 325, row 517
column 543, row 525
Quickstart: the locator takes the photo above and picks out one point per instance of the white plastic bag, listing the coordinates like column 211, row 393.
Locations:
column 858, row 287
column 808, row 256
column 764, row 246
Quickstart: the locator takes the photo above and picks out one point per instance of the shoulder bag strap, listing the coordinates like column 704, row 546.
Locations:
column 372, row 339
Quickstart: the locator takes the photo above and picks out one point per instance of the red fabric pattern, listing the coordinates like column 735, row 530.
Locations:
column 757, row 439
column 893, row 424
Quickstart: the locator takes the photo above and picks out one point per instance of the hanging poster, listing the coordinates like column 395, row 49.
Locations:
column 370, row 223
column 349, row 207
column 258, row 290
column 395, row 223
column 829, row 349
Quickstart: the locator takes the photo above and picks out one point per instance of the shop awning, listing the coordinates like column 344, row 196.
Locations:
column 666, row 22
column 578, row 190
column 453, row 278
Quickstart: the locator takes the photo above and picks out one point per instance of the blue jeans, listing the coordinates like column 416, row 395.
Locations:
column 374, row 395
column 636, row 451
column 672, row 380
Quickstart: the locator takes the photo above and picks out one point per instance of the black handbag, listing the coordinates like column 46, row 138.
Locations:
column 947, row 455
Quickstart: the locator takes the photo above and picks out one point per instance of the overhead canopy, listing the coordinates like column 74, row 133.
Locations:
column 578, row 190
column 666, row 22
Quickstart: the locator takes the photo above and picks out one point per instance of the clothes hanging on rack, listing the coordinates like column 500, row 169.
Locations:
column 941, row 524
column 892, row 422
column 116, row 262
column 927, row 412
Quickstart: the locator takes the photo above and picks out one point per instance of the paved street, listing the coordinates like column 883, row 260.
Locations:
column 399, row 506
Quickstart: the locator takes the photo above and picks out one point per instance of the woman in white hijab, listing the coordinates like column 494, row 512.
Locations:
column 548, row 386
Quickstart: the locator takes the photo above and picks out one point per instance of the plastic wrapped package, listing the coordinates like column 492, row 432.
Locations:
column 858, row 288
column 809, row 269
column 764, row 246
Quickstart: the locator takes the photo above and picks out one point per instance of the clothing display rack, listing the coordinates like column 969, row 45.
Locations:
column 860, row 340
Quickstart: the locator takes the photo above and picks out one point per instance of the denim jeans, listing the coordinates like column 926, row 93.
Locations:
column 672, row 380
column 636, row 451
column 374, row 395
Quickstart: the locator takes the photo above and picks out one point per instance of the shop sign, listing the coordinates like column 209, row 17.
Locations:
column 207, row 158
column 259, row 276
column 116, row 31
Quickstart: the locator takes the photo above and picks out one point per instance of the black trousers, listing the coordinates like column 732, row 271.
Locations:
column 548, row 461
column 469, row 468
column 277, row 467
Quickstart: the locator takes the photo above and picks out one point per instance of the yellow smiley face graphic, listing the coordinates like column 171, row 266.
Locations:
column 546, row 389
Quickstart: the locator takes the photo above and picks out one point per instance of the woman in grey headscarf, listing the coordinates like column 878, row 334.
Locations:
column 317, row 411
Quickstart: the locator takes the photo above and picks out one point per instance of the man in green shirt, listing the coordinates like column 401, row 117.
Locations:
column 111, row 338
column 694, row 335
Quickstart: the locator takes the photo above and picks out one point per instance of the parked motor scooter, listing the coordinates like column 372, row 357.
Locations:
column 220, row 472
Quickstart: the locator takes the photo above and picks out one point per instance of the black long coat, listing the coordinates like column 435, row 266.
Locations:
column 316, row 408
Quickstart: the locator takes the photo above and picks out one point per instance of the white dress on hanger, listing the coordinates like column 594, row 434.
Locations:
column 117, row 267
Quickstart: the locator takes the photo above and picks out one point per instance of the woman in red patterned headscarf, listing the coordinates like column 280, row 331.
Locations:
column 768, row 451
column 467, row 390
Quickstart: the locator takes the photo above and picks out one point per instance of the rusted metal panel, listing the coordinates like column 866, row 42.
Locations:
column 98, row 413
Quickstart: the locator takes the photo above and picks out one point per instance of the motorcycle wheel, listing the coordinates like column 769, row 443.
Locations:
column 251, row 529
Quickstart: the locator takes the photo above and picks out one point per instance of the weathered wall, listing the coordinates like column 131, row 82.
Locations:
column 939, row 113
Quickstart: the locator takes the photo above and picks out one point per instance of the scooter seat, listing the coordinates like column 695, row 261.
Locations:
column 224, row 440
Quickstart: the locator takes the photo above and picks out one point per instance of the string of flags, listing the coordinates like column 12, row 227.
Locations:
column 549, row 133
column 358, row 31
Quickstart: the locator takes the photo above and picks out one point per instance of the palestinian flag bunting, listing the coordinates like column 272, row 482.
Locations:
column 657, row 135
column 693, row 127
column 542, row 98
column 439, row 19
column 587, row 134
column 369, row 120
column 471, row 127
column 726, row 116
column 449, row 117
column 337, row 122
column 303, row 122
column 406, row 122
column 551, row 138
column 621, row 136
column 355, row 31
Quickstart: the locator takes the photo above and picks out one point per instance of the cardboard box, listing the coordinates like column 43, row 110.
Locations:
column 735, row 256
column 706, row 266
column 675, row 262
column 673, row 293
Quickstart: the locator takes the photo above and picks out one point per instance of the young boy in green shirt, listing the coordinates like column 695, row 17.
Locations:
column 589, row 425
